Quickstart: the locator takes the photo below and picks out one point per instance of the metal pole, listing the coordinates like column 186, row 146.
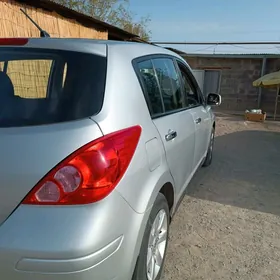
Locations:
column 260, row 88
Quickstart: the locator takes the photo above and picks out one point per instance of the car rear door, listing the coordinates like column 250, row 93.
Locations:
column 200, row 113
column 173, row 121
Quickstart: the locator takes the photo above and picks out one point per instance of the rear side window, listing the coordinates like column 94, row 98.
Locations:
column 40, row 86
column 169, row 83
column 150, row 83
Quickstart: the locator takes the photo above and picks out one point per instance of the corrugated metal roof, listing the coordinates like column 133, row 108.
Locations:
column 226, row 55
column 237, row 55
column 66, row 12
column 176, row 51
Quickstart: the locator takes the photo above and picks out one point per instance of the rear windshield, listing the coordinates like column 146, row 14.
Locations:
column 40, row 86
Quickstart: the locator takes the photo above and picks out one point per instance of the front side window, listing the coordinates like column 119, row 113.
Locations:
column 169, row 83
column 191, row 95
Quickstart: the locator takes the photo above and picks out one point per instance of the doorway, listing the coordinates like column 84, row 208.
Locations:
column 212, row 82
column 199, row 76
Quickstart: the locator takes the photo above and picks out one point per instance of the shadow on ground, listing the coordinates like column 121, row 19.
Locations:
column 229, row 117
column 241, row 116
column 245, row 172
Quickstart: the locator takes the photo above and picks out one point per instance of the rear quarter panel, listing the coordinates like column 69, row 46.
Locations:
column 125, row 106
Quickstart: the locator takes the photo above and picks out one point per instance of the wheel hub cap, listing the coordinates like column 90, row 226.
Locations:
column 157, row 245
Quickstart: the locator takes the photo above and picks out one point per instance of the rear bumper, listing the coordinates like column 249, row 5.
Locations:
column 69, row 265
column 93, row 242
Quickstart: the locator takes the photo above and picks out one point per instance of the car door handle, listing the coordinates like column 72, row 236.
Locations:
column 198, row 120
column 170, row 135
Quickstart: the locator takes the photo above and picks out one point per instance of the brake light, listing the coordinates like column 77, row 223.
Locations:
column 90, row 173
column 13, row 41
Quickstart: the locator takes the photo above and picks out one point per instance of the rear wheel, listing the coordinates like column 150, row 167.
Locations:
column 209, row 156
column 153, row 249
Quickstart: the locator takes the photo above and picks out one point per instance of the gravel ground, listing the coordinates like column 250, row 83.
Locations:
column 228, row 225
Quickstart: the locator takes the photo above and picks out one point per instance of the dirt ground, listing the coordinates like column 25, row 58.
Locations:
column 228, row 225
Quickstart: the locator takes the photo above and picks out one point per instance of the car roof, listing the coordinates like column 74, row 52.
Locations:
column 99, row 47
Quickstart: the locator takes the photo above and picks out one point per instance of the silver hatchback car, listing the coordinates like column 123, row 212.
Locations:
column 98, row 141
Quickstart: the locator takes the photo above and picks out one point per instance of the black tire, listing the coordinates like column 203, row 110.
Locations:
column 209, row 156
column 140, row 272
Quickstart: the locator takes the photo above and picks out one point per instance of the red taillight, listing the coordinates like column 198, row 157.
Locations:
column 90, row 173
column 13, row 41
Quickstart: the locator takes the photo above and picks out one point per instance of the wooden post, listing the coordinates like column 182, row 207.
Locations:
column 276, row 102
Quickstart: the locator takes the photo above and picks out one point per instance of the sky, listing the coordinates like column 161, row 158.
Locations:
column 213, row 20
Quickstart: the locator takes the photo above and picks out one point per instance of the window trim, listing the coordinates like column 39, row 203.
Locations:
column 135, row 63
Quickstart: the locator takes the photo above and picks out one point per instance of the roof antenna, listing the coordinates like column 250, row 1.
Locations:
column 43, row 33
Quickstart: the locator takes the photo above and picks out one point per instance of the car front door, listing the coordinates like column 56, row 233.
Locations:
column 199, row 112
column 172, row 120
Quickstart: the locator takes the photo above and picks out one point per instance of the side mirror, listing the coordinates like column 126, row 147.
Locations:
column 214, row 99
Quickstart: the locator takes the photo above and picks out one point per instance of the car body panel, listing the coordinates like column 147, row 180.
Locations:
column 102, row 240
column 37, row 236
column 179, row 151
column 69, row 265
column 114, row 117
column 69, row 44
column 33, row 152
column 202, row 122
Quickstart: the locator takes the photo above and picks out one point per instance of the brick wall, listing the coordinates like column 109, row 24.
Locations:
column 237, row 75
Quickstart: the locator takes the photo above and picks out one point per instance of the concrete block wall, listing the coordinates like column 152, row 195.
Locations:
column 237, row 76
